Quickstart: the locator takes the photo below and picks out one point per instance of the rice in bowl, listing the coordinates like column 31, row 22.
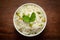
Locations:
column 29, row 19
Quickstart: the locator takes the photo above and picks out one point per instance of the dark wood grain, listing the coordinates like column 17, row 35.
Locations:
column 7, row 30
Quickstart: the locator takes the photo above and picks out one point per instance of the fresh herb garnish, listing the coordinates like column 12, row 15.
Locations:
column 28, row 19
column 33, row 16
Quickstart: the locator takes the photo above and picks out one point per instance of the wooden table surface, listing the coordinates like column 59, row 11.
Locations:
column 7, row 30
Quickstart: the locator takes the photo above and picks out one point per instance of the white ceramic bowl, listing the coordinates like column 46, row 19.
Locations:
column 41, row 29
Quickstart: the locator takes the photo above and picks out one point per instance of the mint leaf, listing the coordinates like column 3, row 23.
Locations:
column 33, row 17
column 26, row 18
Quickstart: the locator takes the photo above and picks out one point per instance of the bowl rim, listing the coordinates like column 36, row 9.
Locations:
column 41, row 29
